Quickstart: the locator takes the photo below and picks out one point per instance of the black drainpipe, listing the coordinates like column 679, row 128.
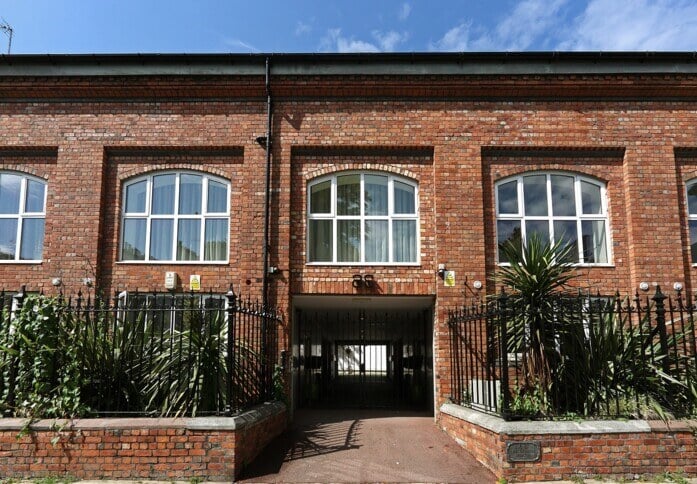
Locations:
column 267, row 214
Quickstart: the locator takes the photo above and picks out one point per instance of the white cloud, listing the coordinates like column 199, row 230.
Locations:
column 301, row 28
column 334, row 41
column 635, row 25
column 237, row 43
column 404, row 11
column 519, row 30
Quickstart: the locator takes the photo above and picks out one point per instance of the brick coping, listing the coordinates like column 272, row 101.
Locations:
column 236, row 422
column 500, row 426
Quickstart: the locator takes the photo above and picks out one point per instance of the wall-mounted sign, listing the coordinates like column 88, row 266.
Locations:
column 195, row 282
column 449, row 279
column 528, row 451
column 170, row 280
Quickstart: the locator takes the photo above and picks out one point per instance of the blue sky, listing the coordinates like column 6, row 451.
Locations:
column 109, row 26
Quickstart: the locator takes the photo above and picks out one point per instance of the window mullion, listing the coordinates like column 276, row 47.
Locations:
column 361, row 217
column 335, row 223
column 175, row 218
column 390, row 217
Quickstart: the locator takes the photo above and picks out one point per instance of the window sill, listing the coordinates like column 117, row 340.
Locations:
column 589, row 266
column 171, row 263
column 363, row 264
column 24, row 262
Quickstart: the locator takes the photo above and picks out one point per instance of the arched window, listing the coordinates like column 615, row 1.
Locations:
column 556, row 206
column 362, row 218
column 692, row 217
column 175, row 216
column 22, row 217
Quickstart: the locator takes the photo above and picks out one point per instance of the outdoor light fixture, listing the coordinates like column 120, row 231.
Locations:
column 441, row 270
column 677, row 286
column 357, row 281
column 477, row 285
column 644, row 286
column 261, row 141
column 368, row 280
column 87, row 281
column 56, row 281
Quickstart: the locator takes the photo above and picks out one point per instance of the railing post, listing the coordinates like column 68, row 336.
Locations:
column 503, row 344
column 659, row 299
column 231, row 312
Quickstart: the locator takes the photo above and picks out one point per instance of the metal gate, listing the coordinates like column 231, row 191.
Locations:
column 364, row 359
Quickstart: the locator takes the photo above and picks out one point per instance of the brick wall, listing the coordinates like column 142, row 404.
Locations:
column 602, row 449
column 206, row 448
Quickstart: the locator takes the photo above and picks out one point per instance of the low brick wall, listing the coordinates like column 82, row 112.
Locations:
column 210, row 448
column 575, row 449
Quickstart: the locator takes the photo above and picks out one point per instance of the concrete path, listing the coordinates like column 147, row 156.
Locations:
column 365, row 446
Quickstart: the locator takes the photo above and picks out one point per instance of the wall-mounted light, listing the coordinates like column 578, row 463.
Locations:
column 477, row 285
column 273, row 270
column 88, row 281
column 644, row 286
column 441, row 270
column 677, row 286
column 56, row 281
column 357, row 281
column 261, row 141
column 369, row 280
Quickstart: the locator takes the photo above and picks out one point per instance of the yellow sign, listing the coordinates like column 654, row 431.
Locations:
column 449, row 279
column 195, row 282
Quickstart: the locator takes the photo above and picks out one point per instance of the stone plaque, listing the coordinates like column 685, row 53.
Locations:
column 528, row 451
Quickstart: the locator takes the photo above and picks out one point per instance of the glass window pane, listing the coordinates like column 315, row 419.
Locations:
column 188, row 240
column 320, row 241
column 348, row 195
column 594, row 241
column 135, row 197
column 535, row 195
column 404, row 198
column 217, row 197
column 35, row 197
column 507, row 231
column 567, row 232
column 692, row 199
column 375, row 197
column 8, row 238
column 161, row 235
column 32, row 245
column 693, row 240
column 590, row 198
column 190, row 190
column 216, row 240
column 321, row 197
column 563, row 198
column 349, row 243
column 508, row 197
column 133, row 247
column 539, row 228
column 10, row 186
column 404, row 240
column 376, row 235
column 163, row 194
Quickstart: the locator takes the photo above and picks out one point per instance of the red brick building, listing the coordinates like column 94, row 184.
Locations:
column 343, row 184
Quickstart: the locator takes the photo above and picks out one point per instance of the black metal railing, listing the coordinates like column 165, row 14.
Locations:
column 151, row 353
column 576, row 356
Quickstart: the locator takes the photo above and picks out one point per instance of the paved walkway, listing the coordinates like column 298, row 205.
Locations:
column 365, row 446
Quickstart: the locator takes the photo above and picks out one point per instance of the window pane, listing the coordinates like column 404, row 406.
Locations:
column 216, row 240
column 320, row 243
column 9, row 193
column 590, row 198
column 163, row 194
column 594, row 241
column 567, row 232
column 321, row 197
column 507, row 231
column 375, row 195
column 35, row 197
column 161, row 234
column 376, row 234
column 535, row 195
column 135, row 197
column 404, row 198
column 693, row 240
column 563, row 199
column 217, row 197
column 349, row 243
column 133, row 239
column 32, row 246
column 8, row 238
column 538, row 227
column 404, row 240
column 188, row 240
column 692, row 199
column 508, row 197
column 348, row 195
column 190, row 189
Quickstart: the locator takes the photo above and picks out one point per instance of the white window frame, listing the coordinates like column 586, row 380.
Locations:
column 23, row 215
column 550, row 218
column 390, row 217
column 175, row 217
column 691, row 217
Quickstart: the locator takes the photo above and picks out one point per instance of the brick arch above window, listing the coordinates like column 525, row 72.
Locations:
column 558, row 206
column 334, row 169
column 127, row 174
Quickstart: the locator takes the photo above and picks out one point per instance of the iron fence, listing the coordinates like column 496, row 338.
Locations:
column 155, row 353
column 576, row 356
